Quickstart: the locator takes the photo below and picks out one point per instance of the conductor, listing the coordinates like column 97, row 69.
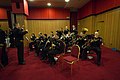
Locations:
column 19, row 33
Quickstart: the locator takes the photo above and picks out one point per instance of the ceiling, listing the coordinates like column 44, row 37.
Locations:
column 5, row 3
column 55, row 3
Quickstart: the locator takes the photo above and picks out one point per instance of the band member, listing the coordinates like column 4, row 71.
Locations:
column 82, row 40
column 46, row 49
column 7, row 39
column 68, row 39
column 52, row 34
column 40, row 36
column 19, row 33
column 31, row 44
column 66, row 30
column 55, row 48
column 74, row 30
column 39, row 43
column 94, row 45
column 11, row 35
column 97, row 33
column 3, row 55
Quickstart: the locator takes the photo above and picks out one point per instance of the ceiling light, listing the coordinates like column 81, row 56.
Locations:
column 67, row 0
column 31, row 0
column 49, row 4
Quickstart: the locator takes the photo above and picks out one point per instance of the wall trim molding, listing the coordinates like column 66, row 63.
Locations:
column 3, row 19
column 48, row 19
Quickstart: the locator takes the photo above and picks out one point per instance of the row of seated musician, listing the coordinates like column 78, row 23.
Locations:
column 47, row 48
column 51, row 47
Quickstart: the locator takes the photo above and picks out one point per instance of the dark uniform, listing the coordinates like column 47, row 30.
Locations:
column 59, row 33
column 11, row 35
column 33, row 38
column 82, row 40
column 19, row 44
column 56, row 49
column 95, row 46
column 66, row 31
column 40, row 43
column 4, row 57
column 45, row 49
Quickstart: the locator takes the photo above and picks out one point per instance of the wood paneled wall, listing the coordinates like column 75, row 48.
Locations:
column 4, row 25
column 108, row 24
column 21, row 19
column 86, row 23
column 46, row 26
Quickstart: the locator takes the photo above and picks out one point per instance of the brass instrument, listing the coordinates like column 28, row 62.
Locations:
column 86, row 44
column 89, row 42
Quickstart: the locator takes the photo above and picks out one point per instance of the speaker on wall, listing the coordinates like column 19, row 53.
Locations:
column 17, row 5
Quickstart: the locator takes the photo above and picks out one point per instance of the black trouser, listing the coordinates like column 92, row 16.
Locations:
column 81, row 52
column 4, row 57
column 44, row 53
column 40, row 49
column 97, row 51
column 30, row 45
column 20, row 52
column 12, row 42
column 51, row 55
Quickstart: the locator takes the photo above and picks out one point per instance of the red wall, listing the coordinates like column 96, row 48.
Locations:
column 96, row 7
column 3, row 13
column 86, row 10
column 48, row 13
column 103, row 5
column 117, row 2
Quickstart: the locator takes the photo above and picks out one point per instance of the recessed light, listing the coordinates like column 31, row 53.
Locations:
column 31, row 0
column 49, row 4
column 67, row 0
